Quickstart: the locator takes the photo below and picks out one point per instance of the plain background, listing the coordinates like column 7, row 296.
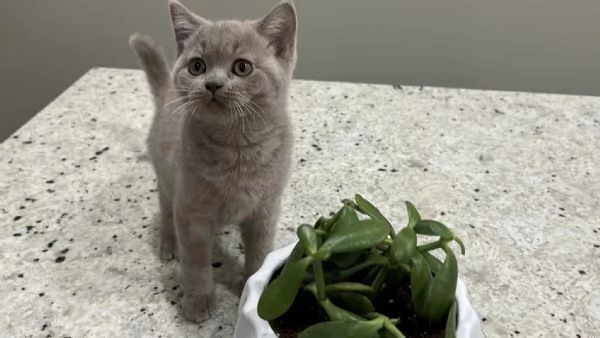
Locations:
column 525, row 45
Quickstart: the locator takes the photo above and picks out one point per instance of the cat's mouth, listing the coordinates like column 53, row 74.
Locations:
column 216, row 102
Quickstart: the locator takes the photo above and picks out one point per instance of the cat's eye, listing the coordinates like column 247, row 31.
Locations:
column 242, row 68
column 196, row 66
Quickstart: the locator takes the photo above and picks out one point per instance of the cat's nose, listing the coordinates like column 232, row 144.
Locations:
column 213, row 87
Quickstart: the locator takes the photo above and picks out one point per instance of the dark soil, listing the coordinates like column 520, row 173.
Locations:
column 394, row 302
column 304, row 312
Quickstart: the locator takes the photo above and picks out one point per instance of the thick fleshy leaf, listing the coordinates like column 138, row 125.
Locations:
column 371, row 260
column 385, row 334
column 328, row 224
column 345, row 220
column 320, row 223
column 350, row 203
column 308, row 238
column 404, row 245
column 279, row 295
column 297, row 253
column 334, row 312
column 434, row 263
column 352, row 301
column 349, row 287
column 443, row 288
column 460, row 244
column 450, row 331
column 337, row 313
column 344, row 260
column 433, row 228
column 370, row 210
column 355, row 236
column 413, row 215
column 347, row 329
column 420, row 280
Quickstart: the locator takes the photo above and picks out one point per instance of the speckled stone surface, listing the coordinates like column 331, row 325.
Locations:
column 515, row 174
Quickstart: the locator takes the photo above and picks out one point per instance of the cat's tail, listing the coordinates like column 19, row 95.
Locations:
column 153, row 62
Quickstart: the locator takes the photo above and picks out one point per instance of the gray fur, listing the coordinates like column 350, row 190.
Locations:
column 224, row 162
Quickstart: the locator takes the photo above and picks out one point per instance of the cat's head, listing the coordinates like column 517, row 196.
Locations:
column 234, row 66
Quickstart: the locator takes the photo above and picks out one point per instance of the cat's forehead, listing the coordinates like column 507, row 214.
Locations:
column 224, row 38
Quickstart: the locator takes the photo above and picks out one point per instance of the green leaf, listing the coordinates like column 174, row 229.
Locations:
column 433, row 228
column 296, row 254
column 328, row 223
column 385, row 334
column 308, row 238
column 450, row 331
column 370, row 210
column 347, row 329
column 352, row 301
column 344, row 260
column 371, row 260
column 320, row 223
column 413, row 215
column 420, row 280
column 460, row 244
column 345, row 219
column 442, row 290
column 350, row 203
column 380, row 279
column 434, row 263
column 391, row 327
column 279, row 295
column 356, row 236
column 349, row 286
column 333, row 311
column 404, row 245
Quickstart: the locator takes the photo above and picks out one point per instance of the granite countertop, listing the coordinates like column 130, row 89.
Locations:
column 515, row 174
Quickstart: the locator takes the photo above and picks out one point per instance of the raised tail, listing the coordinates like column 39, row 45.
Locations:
column 153, row 62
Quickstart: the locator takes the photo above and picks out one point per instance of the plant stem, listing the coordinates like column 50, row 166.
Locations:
column 379, row 279
column 382, row 247
column 388, row 325
column 350, row 286
column 431, row 246
column 349, row 272
column 320, row 233
column 319, row 279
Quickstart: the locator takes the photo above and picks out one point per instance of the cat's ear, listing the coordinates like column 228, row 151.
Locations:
column 185, row 23
column 279, row 27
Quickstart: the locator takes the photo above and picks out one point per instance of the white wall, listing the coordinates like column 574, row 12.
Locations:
column 531, row 45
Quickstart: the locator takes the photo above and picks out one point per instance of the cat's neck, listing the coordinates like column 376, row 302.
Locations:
column 239, row 133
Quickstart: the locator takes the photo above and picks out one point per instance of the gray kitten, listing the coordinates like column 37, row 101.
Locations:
column 221, row 139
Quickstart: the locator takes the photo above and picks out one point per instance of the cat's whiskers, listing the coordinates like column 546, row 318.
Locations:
column 188, row 117
column 258, row 111
column 239, row 114
column 253, row 108
column 178, row 99
column 181, row 90
column 243, row 102
column 233, row 102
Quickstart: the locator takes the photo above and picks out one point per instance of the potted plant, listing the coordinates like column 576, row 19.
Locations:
column 352, row 275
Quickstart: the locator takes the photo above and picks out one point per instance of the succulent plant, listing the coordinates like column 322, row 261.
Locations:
column 346, row 260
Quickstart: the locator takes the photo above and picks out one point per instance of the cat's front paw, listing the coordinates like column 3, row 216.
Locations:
column 197, row 308
column 167, row 248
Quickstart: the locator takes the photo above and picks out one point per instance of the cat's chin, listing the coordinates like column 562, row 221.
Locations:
column 215, row 104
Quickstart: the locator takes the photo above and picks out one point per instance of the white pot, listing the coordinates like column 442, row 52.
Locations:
column 250, row 325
